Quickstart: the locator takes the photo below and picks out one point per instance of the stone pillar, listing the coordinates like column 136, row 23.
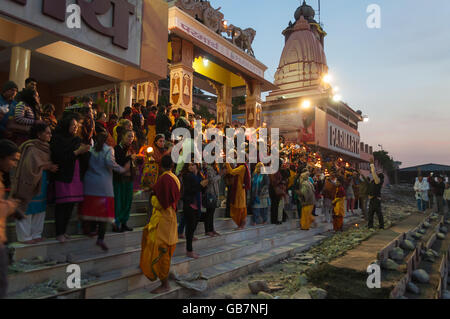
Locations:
column 125, row 96
column 182, row 75
column 224, row 102
column 19, row 69
column 253, row 104
column 148, row 91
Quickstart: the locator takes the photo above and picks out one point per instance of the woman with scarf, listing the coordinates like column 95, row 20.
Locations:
column 87, row 126
column 72, row 158
column 9, row 157
column 307, row 197
column 159, row 150
column 123, row 126
column 260, row 198
column 339, row 206
column 151, row 123
column 138, row 128
column 30, row 181
column 193, row 184
column 238, row 203
column 48, row 116
column 98, row 205
column 212, row 198
column 123, row 183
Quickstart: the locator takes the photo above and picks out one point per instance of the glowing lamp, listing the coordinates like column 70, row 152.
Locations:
column 306, row 104
column 150, row 150
column 337, row 98
column 205, row 62
column 327, row 79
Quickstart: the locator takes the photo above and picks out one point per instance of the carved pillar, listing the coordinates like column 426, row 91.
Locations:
column 182, row 74
column 253, row 106
column 19, row 69
column 148, row 91
column 224, row 102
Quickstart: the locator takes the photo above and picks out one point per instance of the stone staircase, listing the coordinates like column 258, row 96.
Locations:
column 116, row 274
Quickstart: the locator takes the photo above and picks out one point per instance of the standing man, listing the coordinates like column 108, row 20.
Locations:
column 438, row 192
column 375, row 196
column 363, row 194
column 30, row 84
column 9, row 158
column 421, row 188
column 160, row 236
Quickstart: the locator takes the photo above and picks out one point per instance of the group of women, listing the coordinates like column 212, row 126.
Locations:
column 58, row 166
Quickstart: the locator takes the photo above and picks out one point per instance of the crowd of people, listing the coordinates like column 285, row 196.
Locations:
column 86, row 160
column 432, row 191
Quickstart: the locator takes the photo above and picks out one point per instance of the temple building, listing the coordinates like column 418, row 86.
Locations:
column 305, row 106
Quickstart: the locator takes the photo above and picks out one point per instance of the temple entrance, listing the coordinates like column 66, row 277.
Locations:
column 201, row 57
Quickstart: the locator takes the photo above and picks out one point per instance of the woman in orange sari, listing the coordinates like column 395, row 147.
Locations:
column 160, row 236
column 339, row 207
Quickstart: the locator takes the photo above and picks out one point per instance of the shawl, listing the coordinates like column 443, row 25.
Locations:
column 27, row 181
column 167, row 190
column 247, row 183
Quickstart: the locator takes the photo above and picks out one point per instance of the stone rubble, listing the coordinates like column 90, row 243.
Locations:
column 258, row 286
column 412, row 288
column 396, row 254
column 421, row 276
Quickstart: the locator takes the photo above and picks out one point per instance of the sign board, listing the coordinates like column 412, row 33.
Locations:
column 183, row 24
column 343, row 141
column 113, row 27
column 295, row 124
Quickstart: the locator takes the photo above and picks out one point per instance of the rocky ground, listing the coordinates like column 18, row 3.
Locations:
column 301, row 276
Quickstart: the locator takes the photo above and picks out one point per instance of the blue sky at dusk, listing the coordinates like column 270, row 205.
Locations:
column 398, row 75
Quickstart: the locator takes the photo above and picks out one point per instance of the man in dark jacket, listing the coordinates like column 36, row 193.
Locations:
column 374, row 193
column 438, row 188
column 163, row 123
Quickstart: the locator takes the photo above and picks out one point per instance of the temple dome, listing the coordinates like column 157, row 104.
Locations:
column 303, row 60
column 305, row 11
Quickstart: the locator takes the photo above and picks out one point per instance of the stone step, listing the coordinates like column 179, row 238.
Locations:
column 74, row 227
column 121, row 286
column 78, row 243
column 225, row 272
column 127, row 256
column 135, row 282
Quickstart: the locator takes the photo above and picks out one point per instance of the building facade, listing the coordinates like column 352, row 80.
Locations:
column 305, row 107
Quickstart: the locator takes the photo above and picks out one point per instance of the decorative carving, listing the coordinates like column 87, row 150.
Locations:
column 243, row 39
column 214, row 19
column 187, row 89
column 203, row 12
